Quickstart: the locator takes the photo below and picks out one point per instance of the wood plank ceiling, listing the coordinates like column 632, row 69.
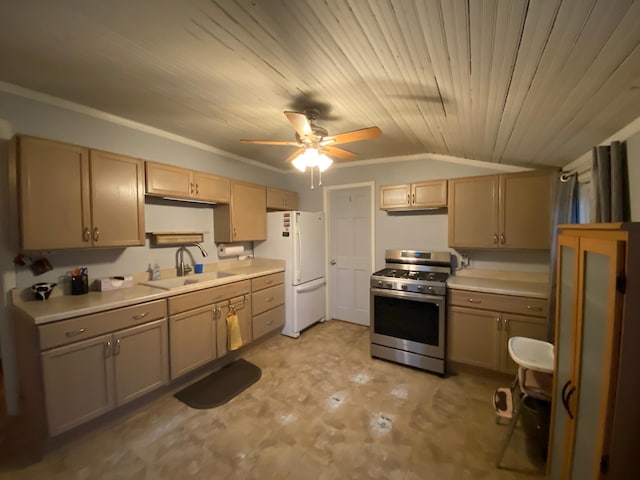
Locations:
column 512, row 81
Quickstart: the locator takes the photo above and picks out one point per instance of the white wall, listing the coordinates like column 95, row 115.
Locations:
column 633, row 161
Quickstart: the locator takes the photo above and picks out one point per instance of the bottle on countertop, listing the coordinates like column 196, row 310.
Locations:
column 155, row 272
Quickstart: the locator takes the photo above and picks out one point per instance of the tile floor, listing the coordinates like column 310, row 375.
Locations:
column 323, row 409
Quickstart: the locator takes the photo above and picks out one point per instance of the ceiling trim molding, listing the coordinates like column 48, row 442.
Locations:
column 141, row 127
column 438, row 157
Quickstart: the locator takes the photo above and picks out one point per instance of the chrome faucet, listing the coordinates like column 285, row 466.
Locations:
column 182, row 268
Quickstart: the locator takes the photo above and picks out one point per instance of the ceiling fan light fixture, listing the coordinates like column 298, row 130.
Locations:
column 324, row 162
column 300, row 163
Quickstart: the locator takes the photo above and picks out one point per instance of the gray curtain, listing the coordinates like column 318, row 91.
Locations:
column 565, row 210
column 609, row 180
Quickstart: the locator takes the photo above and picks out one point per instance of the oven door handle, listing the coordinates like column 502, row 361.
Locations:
column 421, row 297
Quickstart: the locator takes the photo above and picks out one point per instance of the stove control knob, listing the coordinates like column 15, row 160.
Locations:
column 403, row 287
column 380, row 283
column 420, row 288
column 430, row 288
column 388, row 285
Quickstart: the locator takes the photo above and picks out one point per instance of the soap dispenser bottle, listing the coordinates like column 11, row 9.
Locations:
column 155, row 273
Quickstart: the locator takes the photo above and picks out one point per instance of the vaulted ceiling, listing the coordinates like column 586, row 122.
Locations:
column 533, row 82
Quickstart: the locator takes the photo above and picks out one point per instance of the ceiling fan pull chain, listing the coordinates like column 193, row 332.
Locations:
column 319, row 177
column 311, row 170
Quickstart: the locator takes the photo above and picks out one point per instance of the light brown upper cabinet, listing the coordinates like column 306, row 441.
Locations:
column 282, row 199
column 73, row 197
column 170, row 181
column 245, row 217
column 414, row 196
column 501, row 211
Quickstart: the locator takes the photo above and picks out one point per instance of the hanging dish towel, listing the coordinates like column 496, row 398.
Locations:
column 234, row 338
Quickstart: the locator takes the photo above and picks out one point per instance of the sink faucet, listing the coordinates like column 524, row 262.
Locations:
column 182, row 268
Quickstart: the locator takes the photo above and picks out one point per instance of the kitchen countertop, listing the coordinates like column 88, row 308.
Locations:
column 503, row 283
column 60, row 307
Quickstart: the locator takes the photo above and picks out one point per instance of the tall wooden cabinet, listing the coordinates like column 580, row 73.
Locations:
column 595, row 416
column 501, row 211
column 73, row 197
column 245, row 218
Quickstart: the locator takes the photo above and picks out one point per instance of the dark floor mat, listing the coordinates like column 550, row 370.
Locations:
column 221, row 386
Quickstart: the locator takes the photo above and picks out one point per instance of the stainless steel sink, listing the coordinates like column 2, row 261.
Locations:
column 178, row 282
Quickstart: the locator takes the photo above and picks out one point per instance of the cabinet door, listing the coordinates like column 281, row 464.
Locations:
column 567, row 298
column 245, row 218
column 395, row 196
column 243, row 311
column 431, row 194
column 192, row 340
column 78, row 381
column 141, row 356
column 518, row 326
column 597, row 338
column 276, row 199
column 473, row 337
column 54, row 194
column 167, row 180
column 211, row 187
column 117, row 200
column 291, row 200
column 525, row 212
column 473, row 212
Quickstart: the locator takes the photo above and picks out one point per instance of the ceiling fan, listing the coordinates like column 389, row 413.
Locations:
column 312, row 137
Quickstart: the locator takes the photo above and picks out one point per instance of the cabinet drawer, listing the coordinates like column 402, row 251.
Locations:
column 501, row 303
column 266, row 299
column 80, row 328
column 268, row 321
column 189, row 301
column 267, row 281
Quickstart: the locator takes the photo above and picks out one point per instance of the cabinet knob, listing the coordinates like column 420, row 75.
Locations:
column 502, row 239
column 96, row 234
column 116, row 349
column 107, row 349
column 505, row 323
column 86, row 234
column 498, row 324
column 495, row 238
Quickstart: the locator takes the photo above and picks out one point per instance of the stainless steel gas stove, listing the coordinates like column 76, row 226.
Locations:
column 408, row 308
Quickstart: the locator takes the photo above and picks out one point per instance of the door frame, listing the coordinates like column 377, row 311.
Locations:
column 327, row 234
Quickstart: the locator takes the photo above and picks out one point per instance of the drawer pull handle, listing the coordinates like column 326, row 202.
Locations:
column 140, row 315
column 268, row 282
column 116, row 350
column 96, row 234
column 107, row 349
column 535, row 309
column 73, row 333
column 473, row 300
column 498, row 324
column 270, row 299
column 269, row 322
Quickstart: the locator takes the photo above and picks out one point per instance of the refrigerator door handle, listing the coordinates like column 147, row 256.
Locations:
column 299, row 255
column 311, row 286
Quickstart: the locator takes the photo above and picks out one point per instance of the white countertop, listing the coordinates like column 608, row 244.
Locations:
column 502, row 286
column 60, row 307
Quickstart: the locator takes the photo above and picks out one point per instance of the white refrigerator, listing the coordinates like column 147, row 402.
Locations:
column 298, row 239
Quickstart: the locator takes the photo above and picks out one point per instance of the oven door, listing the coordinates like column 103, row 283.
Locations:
column 412, row 322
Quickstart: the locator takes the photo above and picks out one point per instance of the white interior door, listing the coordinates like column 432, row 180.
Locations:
column 350, row 229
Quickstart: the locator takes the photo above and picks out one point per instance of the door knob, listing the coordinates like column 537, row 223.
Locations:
column 332, row 262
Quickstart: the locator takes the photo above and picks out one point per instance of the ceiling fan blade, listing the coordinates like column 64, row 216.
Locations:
column 340, row 153
column 271, row 142
column 291, row 157
column 301, row 124
column 353, row 136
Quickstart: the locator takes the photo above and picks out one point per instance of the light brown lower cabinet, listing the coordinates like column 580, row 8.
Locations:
column 479, row 326
column 198, row 329
column 85, row 379
column 267, row 300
